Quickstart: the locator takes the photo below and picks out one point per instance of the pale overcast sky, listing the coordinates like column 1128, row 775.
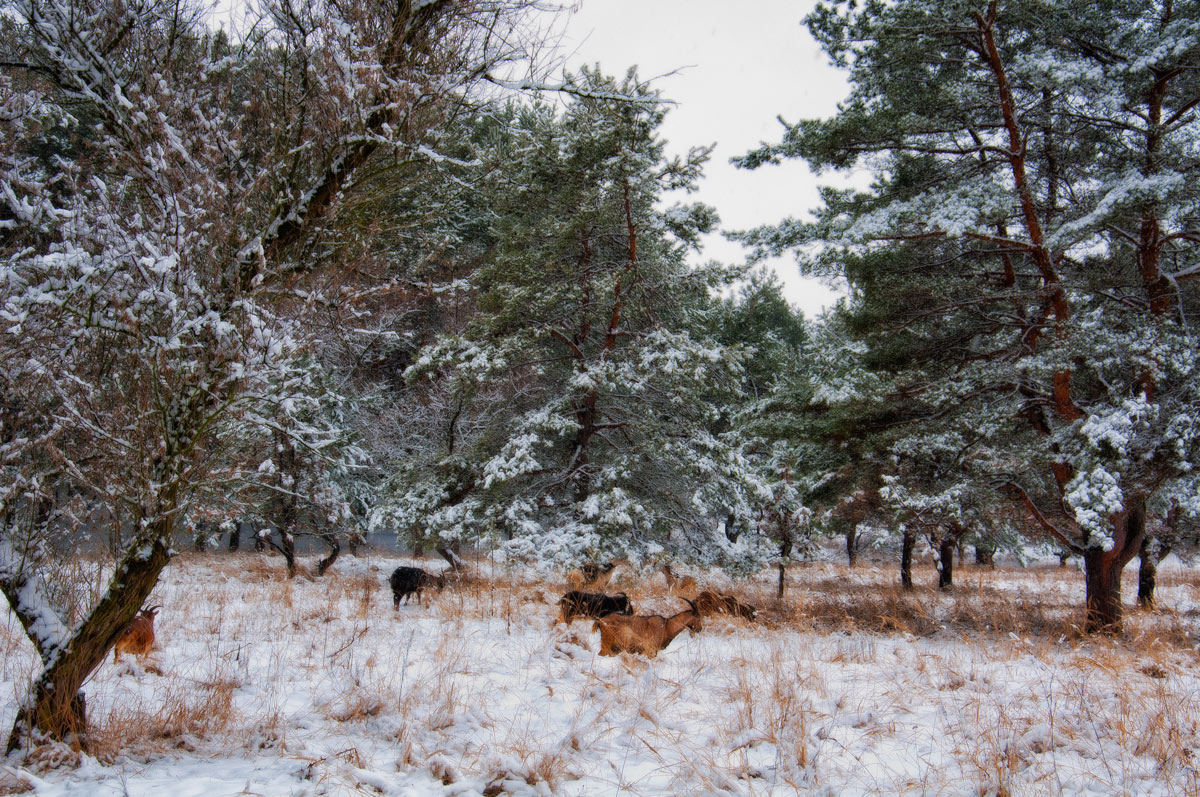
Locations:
column 740, row 65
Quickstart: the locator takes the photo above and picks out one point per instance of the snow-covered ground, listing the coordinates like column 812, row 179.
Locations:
column 271, row 687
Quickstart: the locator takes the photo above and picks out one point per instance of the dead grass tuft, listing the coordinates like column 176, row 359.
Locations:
column 184, row 718
column 15, row 783
column 358, row 706
column 50, row 756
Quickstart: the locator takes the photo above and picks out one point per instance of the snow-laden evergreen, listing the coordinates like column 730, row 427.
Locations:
column 584, row 407
column 1021, row 269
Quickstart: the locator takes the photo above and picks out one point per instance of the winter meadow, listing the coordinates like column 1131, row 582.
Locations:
column 373, row 422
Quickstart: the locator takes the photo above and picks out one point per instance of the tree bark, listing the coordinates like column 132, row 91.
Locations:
column 335, row 548
column 287, row 510
column 852, row 546
column 731, row 531
column 946, row 562
column 785, row 551
column 1147, row 575
column 235, row 536
column 1152, row 552
column 985, row 555
column 286, row 547
column 56, row 707
column 906, row 555
column 451, row 555
column 1102, row 570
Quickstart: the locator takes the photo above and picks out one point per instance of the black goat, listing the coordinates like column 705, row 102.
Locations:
column 407, row 580
column 592, row 604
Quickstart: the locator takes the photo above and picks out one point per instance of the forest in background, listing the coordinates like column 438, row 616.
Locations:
column 340, row 273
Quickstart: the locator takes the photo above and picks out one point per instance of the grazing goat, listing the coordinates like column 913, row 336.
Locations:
column 715, row 603
column 138, row 636
column 645, row 635
column 591, row 604
column 678, row 584
column 592, row 576
column 408, row 580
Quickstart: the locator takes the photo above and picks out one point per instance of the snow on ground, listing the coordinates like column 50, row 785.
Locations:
column 308, row 687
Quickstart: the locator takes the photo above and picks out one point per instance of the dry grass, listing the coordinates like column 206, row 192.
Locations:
column 848, row 683
column 186, row 717
column 1039, row 603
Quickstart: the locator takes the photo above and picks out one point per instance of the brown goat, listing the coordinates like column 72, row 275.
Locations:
column 678, row 584
column 645, row 635
column 708, row 602
column 138, row 637
column 594, row 577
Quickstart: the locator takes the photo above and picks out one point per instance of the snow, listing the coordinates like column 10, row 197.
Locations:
column 319, row 687
column 46, row 624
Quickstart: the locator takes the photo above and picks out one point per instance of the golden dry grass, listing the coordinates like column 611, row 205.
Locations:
column 847, row 675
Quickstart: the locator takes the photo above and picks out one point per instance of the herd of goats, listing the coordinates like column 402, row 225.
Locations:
column 620, row 631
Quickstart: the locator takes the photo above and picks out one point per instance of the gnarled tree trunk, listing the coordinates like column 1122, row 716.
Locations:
column 335, row 548
column 1153, row 551
column 450, row 554
column 55, row 707
column 1102, row 569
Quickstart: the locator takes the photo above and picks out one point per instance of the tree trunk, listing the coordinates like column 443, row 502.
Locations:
column 985, row 555
column 451, row 555
column 1147, row 576
column 785, row 551
column 1103, row 592
column 235, row 536
column 946, row 562
column 287, row 547
column 1102, row 570
column 906, row 555
column 852, row 546
column 287, row 510
column 335, row 548
column 56, row 707
column 1152, row 552
column 731, row 531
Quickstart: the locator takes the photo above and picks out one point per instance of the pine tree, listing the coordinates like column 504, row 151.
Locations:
column 1021, row 269
column 577, row 414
